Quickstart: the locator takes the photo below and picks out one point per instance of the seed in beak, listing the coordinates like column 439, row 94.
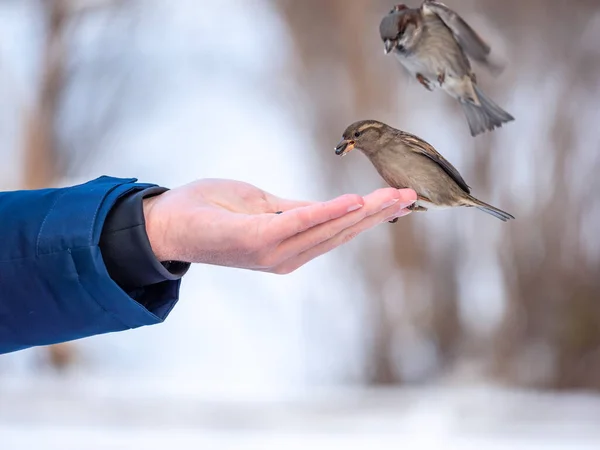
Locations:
column 344, row 147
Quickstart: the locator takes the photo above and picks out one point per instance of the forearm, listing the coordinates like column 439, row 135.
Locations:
column 55, row 283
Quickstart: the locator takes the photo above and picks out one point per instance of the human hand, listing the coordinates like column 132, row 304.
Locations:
column 231, row 223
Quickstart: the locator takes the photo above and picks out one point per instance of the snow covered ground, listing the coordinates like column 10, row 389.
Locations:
column 104, row 413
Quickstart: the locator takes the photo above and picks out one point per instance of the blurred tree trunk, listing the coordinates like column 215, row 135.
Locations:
column 40, row 144
column 40, row 149
column 551, row 334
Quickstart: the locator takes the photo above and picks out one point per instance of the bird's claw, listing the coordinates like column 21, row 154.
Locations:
column 415, row 207
column 425, row 82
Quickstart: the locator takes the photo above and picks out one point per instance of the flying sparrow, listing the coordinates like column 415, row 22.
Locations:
column 407, row 161
column 434, row 44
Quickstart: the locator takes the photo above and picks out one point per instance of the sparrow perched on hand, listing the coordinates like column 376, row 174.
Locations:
column 407, row 161
column 434, row 44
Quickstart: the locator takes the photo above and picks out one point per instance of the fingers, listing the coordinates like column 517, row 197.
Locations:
column 345, row 236
column 294, row 221
column 373, row 204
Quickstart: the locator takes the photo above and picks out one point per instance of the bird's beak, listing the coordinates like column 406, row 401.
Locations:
column 389, row 45
column 344, row 147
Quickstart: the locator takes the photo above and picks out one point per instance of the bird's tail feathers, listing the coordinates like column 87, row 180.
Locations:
column 489, row 209
column 486, row 116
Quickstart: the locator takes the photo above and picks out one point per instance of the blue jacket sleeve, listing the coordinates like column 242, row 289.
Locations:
column 54, row 285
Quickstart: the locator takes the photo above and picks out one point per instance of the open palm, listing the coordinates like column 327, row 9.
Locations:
column 231, row 223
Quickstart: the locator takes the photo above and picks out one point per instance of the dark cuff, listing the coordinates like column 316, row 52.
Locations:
column 125, row 247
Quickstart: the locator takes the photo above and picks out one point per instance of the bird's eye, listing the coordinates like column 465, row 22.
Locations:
column 357, row 134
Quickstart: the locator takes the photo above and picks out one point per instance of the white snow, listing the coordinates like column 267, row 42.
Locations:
column 89, row 413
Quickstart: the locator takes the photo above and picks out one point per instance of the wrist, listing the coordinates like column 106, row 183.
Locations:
column 131, row 260
column 156, row 230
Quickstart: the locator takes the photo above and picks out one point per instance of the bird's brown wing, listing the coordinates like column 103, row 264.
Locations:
column 418, row 145
column 467, row 38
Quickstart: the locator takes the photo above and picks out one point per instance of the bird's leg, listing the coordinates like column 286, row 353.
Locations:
column 441, row 78
column 424, row 81
column 415, row 207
